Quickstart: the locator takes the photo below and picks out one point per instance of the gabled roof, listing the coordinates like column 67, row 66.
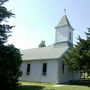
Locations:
column 50, row 52
column 63, row 22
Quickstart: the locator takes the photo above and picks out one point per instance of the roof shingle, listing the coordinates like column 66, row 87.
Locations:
column 50, row 52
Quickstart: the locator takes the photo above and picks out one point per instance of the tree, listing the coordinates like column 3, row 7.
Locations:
column 10, row 57
column 4, row 28
column 78, row 58
column 88, row 52
column 2, row 1
column 42, row 44
column 10, row 61
column 71, row 60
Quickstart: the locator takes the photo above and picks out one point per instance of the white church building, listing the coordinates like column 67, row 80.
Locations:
column 46, row 64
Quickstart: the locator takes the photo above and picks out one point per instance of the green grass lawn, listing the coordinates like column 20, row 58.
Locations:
column 37, row 83
column 45, row 86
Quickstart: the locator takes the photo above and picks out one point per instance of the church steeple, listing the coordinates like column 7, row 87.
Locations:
column 64, row 31
column 64, row 22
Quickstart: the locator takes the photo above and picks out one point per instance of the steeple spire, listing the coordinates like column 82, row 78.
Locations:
column 64, row 22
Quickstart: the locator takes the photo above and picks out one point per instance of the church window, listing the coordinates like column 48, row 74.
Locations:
column 44, row 70
column 69, row 35
column 63, row 67
column 28, row 69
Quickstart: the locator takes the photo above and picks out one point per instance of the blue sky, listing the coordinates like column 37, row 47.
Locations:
column 35, row 20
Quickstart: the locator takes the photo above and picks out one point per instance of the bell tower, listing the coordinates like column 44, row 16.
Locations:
column 64, row 31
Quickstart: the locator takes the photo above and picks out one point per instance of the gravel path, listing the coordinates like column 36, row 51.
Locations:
column 58, row 85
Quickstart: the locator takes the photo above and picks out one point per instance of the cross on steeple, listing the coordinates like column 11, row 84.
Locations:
column 64, row 11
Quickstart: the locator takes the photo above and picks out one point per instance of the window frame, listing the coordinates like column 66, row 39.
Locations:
column 63, row 67
column 28, row 69
column 44, row 69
